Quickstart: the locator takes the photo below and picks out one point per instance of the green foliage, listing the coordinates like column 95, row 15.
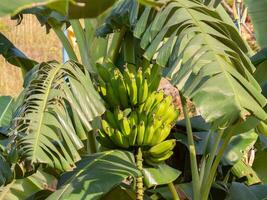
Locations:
column 95, row 175
column 43, row 117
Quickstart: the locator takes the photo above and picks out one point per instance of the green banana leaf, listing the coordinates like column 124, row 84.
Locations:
column 6, row 110
column 21, row 189
column 203, row 60
column 160, row 175
column 257, row 11
column 73, row 8
column 95, row 175
column 14, row 56
column 239, row 191
column 44, row 129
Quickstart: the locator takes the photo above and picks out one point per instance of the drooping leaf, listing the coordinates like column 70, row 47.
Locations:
column 20, row 189
column 257, row 11
column 44, row 130
column 14, row 56
column 203, row 60
column 95, row 175
column 160, row 175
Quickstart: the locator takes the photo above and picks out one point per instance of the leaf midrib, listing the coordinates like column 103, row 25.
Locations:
column 215, row 55
column 43, row 106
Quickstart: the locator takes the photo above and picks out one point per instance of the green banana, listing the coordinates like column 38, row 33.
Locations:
column 102, row 88
column 106, row 127
column 103, row 72
column 156, row 136
column 133, row 119
column 121, row 140
column 159, row 159
column 133, row 136
column 148, row 133
column 111, row 119
column 125, row 126
column 148, row 103
column 112, row 98
column 118, row 114
column 159, row 149
column 132, row 86
column 141, row 133
column 171, row 115
column 144, row 92
column 139, row 83
column 165, row 132
column 123, row 94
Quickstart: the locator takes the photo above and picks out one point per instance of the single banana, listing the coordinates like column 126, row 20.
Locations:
column 139, row 83
column 133, row 119
column 165, row 132
column 125, row 126
column 133, row 136
column 149, row 132
column 159, row 159
column 118, row 116
column 159, row 96
column 106, row 127
column 123, row 93
column 111, row 119
column 140, row 133
column 131, row 85
column 148, row 103
column 171, row 115
column 144, row 93
column 162, row 147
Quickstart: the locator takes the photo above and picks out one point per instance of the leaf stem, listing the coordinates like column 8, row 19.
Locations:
column 175, row 195
column 192, row 151
column 91, row 143
column 139, row 180
column 211, row 156
column 65, row 42
column 207, row 186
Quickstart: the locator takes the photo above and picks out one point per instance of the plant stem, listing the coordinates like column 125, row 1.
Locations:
column 82, row 45
column 65, row 42
column 175, row 195
column 192, row 151
column 207, row 186
column 139, row 180
column 211, row 156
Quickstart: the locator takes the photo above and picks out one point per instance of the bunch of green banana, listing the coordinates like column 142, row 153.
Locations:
column 147, row 126
column 130, row 88
column 160, row 152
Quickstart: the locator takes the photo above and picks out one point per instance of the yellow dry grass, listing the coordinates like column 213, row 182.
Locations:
column 33, row 41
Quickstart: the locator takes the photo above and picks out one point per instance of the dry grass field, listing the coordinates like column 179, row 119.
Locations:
column 31, row 39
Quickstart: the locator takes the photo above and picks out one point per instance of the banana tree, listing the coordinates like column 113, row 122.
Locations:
column 101, row 129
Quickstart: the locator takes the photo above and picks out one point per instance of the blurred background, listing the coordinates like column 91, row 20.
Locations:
column 33, row 41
